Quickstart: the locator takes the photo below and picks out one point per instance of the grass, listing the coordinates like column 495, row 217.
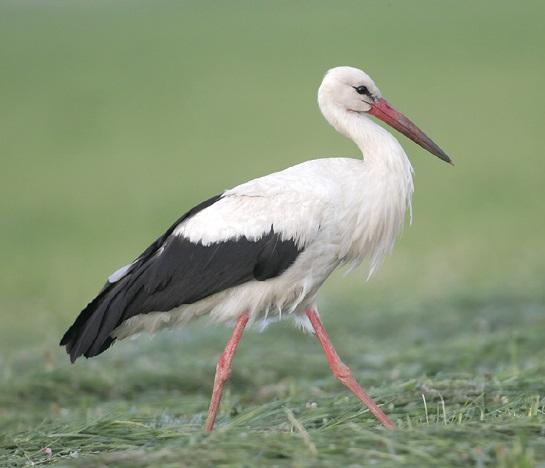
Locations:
column 117, row 116
column 464, row 387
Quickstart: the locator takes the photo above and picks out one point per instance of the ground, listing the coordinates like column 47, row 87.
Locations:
column 462, row 378
column 117, row 117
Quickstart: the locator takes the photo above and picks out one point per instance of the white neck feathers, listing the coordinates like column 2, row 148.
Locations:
column 386, row 186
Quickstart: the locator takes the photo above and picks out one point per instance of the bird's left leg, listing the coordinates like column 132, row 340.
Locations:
column 223, row 369
column 342, row 372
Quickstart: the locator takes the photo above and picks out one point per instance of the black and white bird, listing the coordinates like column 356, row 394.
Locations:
column 261, row 251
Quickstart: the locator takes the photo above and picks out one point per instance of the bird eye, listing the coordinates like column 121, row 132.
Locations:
column 362, row 90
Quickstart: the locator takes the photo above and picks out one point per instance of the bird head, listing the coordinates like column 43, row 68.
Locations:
column 353, row 90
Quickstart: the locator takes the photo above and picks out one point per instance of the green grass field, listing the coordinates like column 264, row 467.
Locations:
column 116, row 117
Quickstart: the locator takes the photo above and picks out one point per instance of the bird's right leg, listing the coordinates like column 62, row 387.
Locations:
column 223, row 370
column 342, row 372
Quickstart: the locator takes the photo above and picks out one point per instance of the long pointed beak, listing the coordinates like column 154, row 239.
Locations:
column 382, row 110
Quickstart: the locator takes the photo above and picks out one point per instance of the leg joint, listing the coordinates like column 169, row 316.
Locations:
column 223, row 370
column 342, row 372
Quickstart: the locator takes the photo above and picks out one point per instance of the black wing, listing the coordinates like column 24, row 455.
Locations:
column 174, row 271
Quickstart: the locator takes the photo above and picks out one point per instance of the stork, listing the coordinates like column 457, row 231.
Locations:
column 259, row 252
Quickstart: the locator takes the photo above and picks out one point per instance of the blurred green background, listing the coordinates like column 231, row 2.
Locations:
column 116, row 117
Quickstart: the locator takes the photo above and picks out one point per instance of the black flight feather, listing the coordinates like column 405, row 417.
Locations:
column 174, row 271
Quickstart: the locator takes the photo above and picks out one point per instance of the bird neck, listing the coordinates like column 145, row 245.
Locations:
column 379, row 148
column 383, row 189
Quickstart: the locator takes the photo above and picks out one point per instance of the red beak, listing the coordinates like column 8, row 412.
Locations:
column 382, row 110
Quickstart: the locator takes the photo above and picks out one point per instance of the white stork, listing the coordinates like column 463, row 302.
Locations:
column 260, row 251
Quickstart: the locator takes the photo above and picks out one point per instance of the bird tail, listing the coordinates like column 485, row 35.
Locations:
column 90, row 334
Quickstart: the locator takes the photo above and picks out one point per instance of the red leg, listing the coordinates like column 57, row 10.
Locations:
column 223, row 370
column 342, row 372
